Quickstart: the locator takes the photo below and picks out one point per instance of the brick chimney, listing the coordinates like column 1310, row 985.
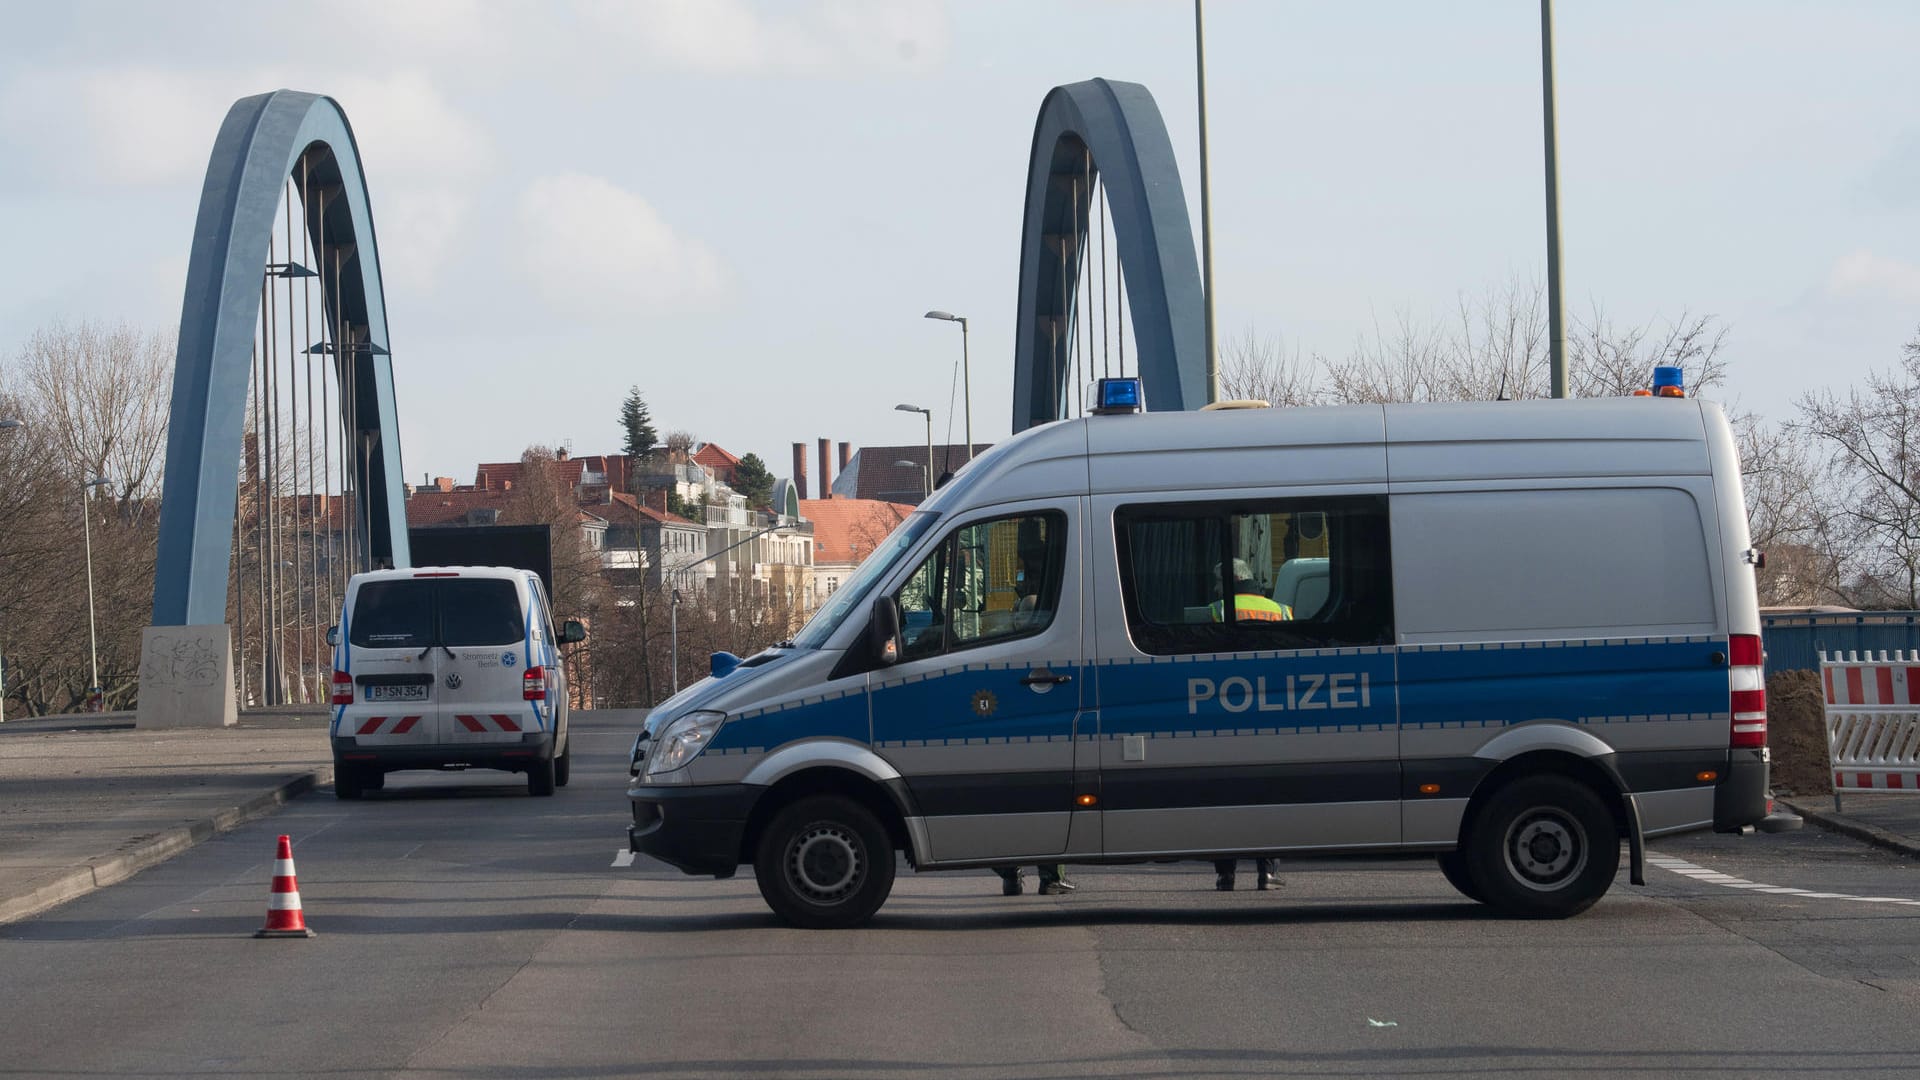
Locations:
column 443, row 483
column 846, row 455
column 800, row 468
column 655, row 498
column 826, row 468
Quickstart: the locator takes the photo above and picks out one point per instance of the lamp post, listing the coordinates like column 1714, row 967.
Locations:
column 86, row 532
column 7, row 424
column 926, row 474
column 673, row 649
column 928, row 413
column 966, row 380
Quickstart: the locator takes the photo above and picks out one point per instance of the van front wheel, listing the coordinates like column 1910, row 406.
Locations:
column 824, row 863
column 1543, row 846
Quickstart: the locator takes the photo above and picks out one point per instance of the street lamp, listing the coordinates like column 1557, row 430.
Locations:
column 928, row 413
column 6, row 424
column 86, row 532
column 966, row 377
column 926, row 473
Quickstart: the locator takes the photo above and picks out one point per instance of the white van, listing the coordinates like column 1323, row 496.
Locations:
column 448, row 667
column 1508, row 635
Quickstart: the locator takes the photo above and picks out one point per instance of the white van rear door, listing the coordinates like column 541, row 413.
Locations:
column 483, row 653
column 389, row 637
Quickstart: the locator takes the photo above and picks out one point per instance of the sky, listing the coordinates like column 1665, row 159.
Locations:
column 744, row 208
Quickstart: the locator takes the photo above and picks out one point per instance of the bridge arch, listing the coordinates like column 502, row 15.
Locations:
column 1112, row 131
column 264, row 141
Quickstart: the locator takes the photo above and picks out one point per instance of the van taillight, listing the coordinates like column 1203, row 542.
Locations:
column 1747, row 679
column 342, row 688
column 533, row 685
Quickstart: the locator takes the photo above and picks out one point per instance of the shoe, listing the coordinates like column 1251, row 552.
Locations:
column 1268, row 881
column 1015, row 885
column 1057, row 887
column 1223, row 883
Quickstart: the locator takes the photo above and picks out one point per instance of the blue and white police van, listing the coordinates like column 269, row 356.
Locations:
column 1509, row 635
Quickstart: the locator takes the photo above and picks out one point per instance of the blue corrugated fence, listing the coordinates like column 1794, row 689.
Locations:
column 1796, row 641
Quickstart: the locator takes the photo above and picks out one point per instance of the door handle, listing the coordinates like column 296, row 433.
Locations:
column 1043, row 677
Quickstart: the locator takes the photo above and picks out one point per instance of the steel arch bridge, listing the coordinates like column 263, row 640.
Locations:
column 1113, row 132
column 265, row 141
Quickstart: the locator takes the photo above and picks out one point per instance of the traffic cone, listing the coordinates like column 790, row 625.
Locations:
column 283, row 903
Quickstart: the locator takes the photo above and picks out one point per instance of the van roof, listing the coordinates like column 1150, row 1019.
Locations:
column 1343, row 444
column 510, row 573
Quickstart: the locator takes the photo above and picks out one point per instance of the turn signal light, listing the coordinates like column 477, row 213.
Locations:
column 1086, row 800
column 533, row 685
column 342, row 688
column 1706, row 776
column 1429, row 789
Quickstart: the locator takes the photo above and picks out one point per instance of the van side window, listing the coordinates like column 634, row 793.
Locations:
column 1237, row 577
column 988, row 581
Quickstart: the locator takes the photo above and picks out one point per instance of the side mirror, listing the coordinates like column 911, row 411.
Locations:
column 333, row 635
column 883, row 632
column 571, row 631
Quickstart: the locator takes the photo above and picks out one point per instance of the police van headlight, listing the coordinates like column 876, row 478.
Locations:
column 682, row 741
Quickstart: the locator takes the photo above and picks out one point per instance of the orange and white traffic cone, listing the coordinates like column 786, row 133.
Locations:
column 284, row 918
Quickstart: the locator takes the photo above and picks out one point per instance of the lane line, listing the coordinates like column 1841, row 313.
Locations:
column 622, row 858
column 1715, row 877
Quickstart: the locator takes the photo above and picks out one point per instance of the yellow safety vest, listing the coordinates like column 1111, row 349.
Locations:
column 1254, row 606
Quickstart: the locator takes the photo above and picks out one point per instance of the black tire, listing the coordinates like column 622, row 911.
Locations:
column 824, row 863
column 563, row 765
column 1454, row 865
column 373, row 779
column 1542, row 846
column 540, row 778
column 347, row 781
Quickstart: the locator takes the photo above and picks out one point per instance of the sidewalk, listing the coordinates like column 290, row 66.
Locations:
column 1890, row 821
column 88, row 800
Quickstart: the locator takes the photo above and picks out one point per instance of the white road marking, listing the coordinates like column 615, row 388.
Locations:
column 1715, row 877
column 623, row 858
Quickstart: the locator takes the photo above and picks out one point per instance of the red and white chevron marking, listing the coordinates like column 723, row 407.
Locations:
column 1891, row 682
column 394, row 725
column 1907, row 780
column 479, row 723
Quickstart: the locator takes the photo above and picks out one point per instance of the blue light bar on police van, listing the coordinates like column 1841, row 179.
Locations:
column 1119, row 396
column 1668, row 381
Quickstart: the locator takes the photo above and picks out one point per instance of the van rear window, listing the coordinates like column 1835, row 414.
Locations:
column 393, row 615
column 480, row 611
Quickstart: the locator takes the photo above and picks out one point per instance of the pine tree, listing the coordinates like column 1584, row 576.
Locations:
column 752, row 480
column 637, row 422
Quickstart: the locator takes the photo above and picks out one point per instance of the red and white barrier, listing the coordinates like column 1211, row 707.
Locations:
column 1873, row 720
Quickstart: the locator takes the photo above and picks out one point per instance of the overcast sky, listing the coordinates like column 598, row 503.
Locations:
column 745, row 207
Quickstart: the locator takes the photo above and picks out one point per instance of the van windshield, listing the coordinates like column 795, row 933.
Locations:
column 850, row 596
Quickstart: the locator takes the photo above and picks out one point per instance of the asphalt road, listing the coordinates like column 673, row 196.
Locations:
column 466, row 929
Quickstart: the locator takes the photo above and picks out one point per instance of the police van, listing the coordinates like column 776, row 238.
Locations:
column 1513, row 635
column 448, row 668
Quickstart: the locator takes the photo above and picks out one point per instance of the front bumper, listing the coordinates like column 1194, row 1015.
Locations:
column 1740, row 798
column 696, row 830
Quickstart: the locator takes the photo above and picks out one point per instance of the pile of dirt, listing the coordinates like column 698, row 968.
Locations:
column 1797, row 732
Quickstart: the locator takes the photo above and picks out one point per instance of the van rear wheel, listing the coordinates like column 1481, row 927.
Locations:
column 824, row 863
column 563, row 765
column 347, row 783
column 540, row 778
column 1543, row 846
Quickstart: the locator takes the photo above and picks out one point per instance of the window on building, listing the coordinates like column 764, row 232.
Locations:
column 1235, row 577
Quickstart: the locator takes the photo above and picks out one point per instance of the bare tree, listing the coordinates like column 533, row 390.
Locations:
column 1786, row 515
column 1253, row 367
column 104, row 391
column 1872, row 482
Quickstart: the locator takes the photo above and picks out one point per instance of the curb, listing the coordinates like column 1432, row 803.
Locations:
column 1852, row 827
column 102, row 871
